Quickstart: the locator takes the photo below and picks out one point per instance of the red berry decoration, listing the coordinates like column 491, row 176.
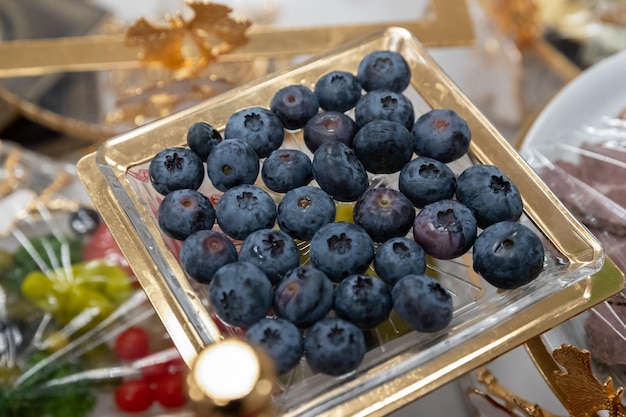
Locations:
column 133, row 343
column 134, row 396
column 169, row 390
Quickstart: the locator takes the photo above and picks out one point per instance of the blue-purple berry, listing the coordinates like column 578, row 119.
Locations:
column 384, row 213
column 286, row 169
column 183, row 212
column 232, row 162
column 441, row 134
column 384, row 105
column 426, row 180
column 241, row 294
column 304, row 296
column 202, row 138
column 363, row 300
column 423, row 303
column 259, row 127
column 272, row 250
column 176, row 168
column 383, row 146
column 334, row 346
column 338, row 91
column 245, row 209
column 204, row 252
column 398, row 257
column 329, row 126
column 303, row 210
column 280, row 339
column 339, row 172
column 490, row 194
column 508, row 255
column 340, row 249
column 384, row 70
column 294, row 105
column 445, row 229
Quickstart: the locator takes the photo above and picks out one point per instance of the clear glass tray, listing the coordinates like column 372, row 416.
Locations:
column 401, row 365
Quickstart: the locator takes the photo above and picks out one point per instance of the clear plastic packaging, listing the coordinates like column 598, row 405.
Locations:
column 585, row 166
column 77, row 333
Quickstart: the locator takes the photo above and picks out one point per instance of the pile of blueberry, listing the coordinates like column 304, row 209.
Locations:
column 318, row 304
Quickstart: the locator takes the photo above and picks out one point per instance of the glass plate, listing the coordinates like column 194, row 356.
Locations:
column 402, row 365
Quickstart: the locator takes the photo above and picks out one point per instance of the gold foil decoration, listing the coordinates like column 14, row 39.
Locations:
column 584, row 393
column 503, row 400
column 212, row 31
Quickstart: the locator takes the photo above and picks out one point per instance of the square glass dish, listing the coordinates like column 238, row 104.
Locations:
column 401, row 365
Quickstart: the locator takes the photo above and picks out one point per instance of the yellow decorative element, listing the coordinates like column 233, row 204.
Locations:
column 165, row 45
column 584, row 393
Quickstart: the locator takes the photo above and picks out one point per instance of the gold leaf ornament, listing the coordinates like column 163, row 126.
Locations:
column 211, row 30
column 584, row 393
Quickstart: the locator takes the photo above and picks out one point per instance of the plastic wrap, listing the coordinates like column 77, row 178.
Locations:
column 78, row 336
column 586, row 168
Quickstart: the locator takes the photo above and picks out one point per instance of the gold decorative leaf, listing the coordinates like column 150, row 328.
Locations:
column 211, row 30
column 584, row 393
column 160, row 44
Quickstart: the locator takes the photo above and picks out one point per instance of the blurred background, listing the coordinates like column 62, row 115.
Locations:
column 519, row 54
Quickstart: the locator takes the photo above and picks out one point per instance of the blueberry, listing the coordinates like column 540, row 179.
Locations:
column 286, row 169
column 422, row 302
column 384, row 70
column 339, row 172
column 202, row 138
column 259, row 127
column 84, row 221
column 280, row 339
column 240, row 293
column 445, row 229
column 490, row 194
column 175, row 168
column 383, row 146
column 398, row 257
column 303, row 210
column 334, row 346
column 294, row 105
column 384, row 213
column 384, row 105
column 204, row 252
column 441, row 134
column 337, row 91
column 273, row 251
column 341, row 249
column 245, row 209
column 329, row 126
column 183, row 212
column 304, row 296
column 363, row 300
column 232, row 162
column 508, row 255
column 426, row 180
